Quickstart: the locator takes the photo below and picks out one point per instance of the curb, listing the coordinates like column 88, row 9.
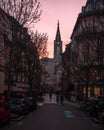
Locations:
column 95, row 120
column 17, row 119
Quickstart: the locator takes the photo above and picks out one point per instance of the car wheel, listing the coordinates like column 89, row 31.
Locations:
column 100, row 115
column 8, row 121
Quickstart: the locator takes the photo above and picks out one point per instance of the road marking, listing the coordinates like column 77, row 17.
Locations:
column 81, row 118
column 68, row 114
column 20, row 123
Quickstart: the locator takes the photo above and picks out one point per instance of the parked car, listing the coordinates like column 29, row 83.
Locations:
column 102, row 119
column 4, row 114
column 94, row 107
column 31, row 102
column 86, row 106
column 18, row 106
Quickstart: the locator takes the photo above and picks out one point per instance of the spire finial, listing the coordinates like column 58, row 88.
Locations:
column 58, row 22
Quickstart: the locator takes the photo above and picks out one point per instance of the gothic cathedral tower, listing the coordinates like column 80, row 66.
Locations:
column 57, row 45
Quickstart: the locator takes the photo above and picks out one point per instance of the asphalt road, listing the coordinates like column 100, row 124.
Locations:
column 51, row 116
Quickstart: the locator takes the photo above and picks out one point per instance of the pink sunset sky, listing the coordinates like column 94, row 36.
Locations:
column 66, row 11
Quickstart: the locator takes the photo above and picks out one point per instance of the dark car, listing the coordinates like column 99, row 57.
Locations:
column 94, row 106
column 102, row 118
column 97, row 106
column 31, row 102
column 18, row 106
column 86, row 106
column 4, row 114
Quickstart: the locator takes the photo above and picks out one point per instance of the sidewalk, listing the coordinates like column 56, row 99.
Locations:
column 53, row 100
column 48, row 100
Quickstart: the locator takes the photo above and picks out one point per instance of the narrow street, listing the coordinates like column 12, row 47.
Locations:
column 51, row 116
column 63, row 54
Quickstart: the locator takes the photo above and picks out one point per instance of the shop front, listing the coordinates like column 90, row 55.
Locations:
column 95, row 89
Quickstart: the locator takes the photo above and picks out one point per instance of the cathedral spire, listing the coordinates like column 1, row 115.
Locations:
column 58, row 23
column 58, row 36
column 57, row 45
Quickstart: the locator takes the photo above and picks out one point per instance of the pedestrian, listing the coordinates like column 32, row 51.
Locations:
column 61, row 99
column 50, row 95
column 4, row 97
column 57, row 99
column 2, row 100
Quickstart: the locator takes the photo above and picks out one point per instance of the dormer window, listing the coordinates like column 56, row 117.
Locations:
column 99, row 5
column 88, row 8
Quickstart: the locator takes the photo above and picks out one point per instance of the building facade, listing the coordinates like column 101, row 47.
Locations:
column 19, row 61
column 86, row 51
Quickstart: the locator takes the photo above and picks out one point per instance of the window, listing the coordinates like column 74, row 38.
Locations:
column 88, row 8
column 58, row 42
column 100, row 6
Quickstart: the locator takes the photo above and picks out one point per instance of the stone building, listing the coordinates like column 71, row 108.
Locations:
column 86, row 51
column 19, row 61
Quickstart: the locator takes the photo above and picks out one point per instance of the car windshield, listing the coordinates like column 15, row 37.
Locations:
column 16, row 101
column 101, row 102
column 3, row 105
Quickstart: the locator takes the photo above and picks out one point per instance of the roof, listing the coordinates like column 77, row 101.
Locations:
column 58, row 36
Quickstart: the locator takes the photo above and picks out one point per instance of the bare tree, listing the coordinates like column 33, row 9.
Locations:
column 26, row 12
column 40, row 41
column 86, row 62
